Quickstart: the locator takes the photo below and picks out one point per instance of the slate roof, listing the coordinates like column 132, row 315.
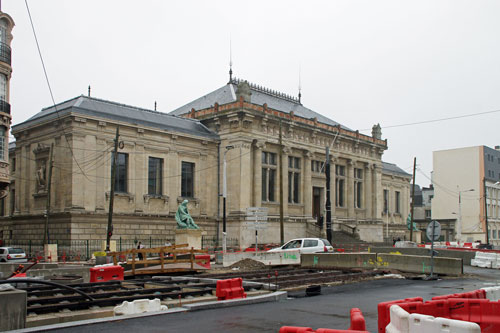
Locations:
column 93, row 107
column 275, row 100
column 394, row 169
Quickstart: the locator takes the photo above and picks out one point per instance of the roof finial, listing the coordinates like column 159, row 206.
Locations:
column 230, row 60
column 89, row 91
column 300, row 87
column 155, row 105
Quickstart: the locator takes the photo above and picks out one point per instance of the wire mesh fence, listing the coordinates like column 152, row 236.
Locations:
column 76, row 250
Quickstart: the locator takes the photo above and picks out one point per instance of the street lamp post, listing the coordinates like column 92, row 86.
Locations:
column 224, row 195
column 459, row 227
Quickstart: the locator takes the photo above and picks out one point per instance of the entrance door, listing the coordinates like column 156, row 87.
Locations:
column 316, row 205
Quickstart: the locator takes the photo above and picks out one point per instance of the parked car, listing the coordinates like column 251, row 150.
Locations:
column 12, row 254
column 305, row 245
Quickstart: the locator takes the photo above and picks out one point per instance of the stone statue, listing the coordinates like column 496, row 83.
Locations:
column 184, row 220
column 41, row 180
column 377, row 132
column 408, row 223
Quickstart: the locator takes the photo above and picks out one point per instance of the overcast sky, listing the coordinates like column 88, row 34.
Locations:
column 362, row 62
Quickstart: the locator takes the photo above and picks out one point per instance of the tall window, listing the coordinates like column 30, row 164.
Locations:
column 293, row 179
column 121, row 172
column 386, row 201
column 2, row 143
column 339, row 185
column 155, row 171
column 398, row 202
column 358, row 187
column 317, row 166
column 268, row 176
column 187, row 181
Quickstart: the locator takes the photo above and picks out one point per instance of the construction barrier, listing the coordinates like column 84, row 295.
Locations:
column 492, row 293
column 357, row 320
column 486, row 260
column 475, row 294
column 403, row 322
column 230, row 289
column 358, row 325
column 139, row 306
column 206, row 260
column 106, row 273
column 384, row 311
column 483, row 312
column 295, row 329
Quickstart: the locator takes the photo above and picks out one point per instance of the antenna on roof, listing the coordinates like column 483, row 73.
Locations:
column 155, row 105
column 230, row 60
column 89, row 91
column 300, row 87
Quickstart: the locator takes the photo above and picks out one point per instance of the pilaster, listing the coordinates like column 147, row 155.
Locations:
column 307, row 184
column 257, row 173
column 350, row 189
column 368, row 194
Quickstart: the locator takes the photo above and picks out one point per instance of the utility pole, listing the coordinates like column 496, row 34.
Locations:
column 412, row 198
column 46, row 238
column 486, row 211
column 282, row 229
column 112, row 191
column 328, row 203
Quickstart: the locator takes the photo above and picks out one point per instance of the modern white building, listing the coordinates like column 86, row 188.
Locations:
column 467, row 189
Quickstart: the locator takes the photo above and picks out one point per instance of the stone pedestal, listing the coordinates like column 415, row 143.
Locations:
column 13, row 310
column 50, row 251
column 188, row 236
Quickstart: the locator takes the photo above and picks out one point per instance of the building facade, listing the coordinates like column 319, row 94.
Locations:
column 166, row 158
column 467, row 186
column 6, row 26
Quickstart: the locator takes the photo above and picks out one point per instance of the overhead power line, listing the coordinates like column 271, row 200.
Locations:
column 436, row 120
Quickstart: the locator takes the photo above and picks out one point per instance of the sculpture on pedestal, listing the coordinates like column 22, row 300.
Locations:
column 184, row 220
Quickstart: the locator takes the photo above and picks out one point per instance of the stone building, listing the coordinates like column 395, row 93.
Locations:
column 6, row 25
column 165, row 158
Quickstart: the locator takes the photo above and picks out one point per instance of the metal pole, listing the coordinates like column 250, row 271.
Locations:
column 282, row 227
column 432, row 248
column 412, row 199
column 486, row 211
column 46, row 239
column 112, row 191
column 459, row 227
column 328, row 204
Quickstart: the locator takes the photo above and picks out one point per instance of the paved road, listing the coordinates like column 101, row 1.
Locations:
column 329, row 310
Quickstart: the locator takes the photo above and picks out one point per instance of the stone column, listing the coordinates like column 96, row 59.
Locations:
column 284, row 169
column 350, row 189
column 368, row 193
column 141, row 175
column 257, row 173
column 378, row 194
column 79, row 185
column 333, row 192
column 102, row 173
column 307, row 186
column 242, row 199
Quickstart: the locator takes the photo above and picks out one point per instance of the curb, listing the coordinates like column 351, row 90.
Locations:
column 273, row 297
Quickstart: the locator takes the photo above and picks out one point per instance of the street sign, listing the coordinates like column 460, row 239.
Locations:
column 257, row 217
column 433, row 235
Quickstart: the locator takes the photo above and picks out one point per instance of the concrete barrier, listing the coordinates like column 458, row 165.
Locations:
column 6, row 269
column 341, row 260
column 465, row 255
column 420, row 264
column 82, row 271
column 12, row 310
column 268, row 258
column 404, row 263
